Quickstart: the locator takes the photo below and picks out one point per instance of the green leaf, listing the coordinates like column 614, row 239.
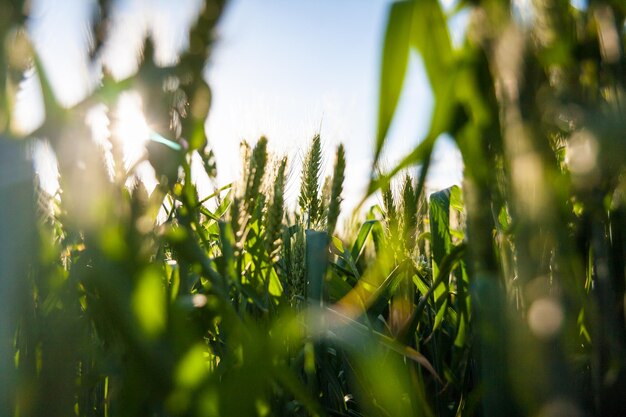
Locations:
column 439, row 215
column 359, row 243
column 441, row 312
column 380, row 298
column 463, row 305
column 456, row 198
column 149, row 303
column 394, row 63
column 338, row 244
column 275, row 288
column 429, row 35
column 336, row 287
column 191, row 369
column 448, row 263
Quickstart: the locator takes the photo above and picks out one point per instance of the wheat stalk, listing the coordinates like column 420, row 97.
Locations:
column 256, row 171
column 409, row 213
column 309, row 199
column 336, row 189
column 275, row 213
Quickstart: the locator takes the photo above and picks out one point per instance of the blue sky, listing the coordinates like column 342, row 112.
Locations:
column 286, row 69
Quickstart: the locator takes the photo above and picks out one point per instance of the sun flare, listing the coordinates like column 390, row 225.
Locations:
column 130, row 130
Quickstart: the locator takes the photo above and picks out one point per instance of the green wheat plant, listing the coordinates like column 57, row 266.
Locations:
column 503, row 296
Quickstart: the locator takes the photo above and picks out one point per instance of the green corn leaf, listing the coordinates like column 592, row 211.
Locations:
column 394, row 64
column 439, row 215
column 359, row 243
column 346, row 265
column 336, row 286
column 227, row 240
column 441, row 312
column 448, row 263
column 274, row 287
column 463, row 305
column 380, row 298
column 429, row 35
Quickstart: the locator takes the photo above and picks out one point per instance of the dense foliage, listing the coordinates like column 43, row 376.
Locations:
column 502, row 297
column 535, row 101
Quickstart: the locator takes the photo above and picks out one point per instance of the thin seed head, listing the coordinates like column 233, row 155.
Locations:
column 236, row 219
column 309, row 199
column 246, row 152
column 257, row 165
column 422, row 213
column 296, row 279
column 325, row 198
column 409, row 218
column 336, row 189
column 391, row 213
column 275, row 212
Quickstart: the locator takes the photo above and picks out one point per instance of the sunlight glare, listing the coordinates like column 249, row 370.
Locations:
column 131, row 132
column 98, row 121
column 130, row 128
column 29, row 112
column 46, row 167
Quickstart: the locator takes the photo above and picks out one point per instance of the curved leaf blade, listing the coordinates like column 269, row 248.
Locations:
column 394, row 64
